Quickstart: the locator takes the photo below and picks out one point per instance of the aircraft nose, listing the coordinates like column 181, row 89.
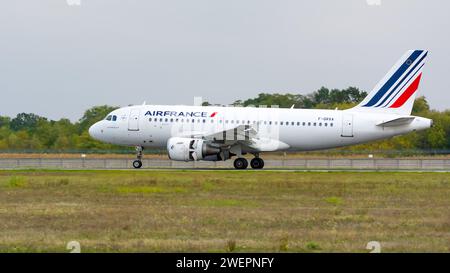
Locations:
column 95, row 131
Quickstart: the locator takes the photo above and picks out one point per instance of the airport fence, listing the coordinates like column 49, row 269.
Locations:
column 306, row 164
column 323, row 153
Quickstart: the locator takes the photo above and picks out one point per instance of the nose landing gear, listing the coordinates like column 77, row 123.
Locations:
column 138, row 162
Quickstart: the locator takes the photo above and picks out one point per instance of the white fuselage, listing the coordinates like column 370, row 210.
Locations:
column 278, row 129
column 191, row 133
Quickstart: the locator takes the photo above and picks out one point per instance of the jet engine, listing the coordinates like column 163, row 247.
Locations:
column 190, row 149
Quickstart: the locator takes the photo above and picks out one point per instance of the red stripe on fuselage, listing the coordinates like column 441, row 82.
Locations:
column 408, row 93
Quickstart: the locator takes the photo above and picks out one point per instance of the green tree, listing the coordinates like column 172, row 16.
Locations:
column 4, row 121
column 436, row 137
column 13, row 141
column 348, row 96
column 281, row 100
column 62, row 143
column 45, row 133
column 420, row 106
column 322, row 98
column 24, row 121
column 64, row 131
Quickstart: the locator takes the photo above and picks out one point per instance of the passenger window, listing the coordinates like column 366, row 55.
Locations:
column 193, row 120
column 331, row 124
column 160, row 120
column 320, row 123
column 150, row 119
column 281, row 123
column 314, row 124
column 304, row 123
column 309, row 123
column 204, row 120
column 298, row 123
column 292, row 123
column 326, row 124
column 171, row 120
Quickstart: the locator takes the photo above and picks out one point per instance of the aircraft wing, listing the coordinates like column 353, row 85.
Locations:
column 238, row 133
column 245, row 135
column 241, row 132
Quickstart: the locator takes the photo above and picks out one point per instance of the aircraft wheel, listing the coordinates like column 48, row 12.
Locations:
column 137, row 164
column 240, row 163
column 257, row 163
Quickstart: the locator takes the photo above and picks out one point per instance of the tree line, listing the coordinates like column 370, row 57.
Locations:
column 30, row 132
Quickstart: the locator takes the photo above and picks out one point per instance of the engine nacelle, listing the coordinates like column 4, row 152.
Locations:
column 190, row 149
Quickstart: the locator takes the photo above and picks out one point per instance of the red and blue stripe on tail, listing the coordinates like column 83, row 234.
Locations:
column 397, row 90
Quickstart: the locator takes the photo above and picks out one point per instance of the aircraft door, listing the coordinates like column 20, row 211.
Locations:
column 133, row 120
column 347, row 125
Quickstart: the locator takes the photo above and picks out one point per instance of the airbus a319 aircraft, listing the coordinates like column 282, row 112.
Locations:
column 192, row 133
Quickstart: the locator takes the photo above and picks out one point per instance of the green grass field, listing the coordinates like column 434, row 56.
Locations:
column 223, row 211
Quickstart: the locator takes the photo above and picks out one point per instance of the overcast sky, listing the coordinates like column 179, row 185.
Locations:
column 57, row 60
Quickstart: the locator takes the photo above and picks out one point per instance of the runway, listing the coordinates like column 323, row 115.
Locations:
column 271, row 170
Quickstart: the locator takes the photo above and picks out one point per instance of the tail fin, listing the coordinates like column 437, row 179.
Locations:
column 395, row 93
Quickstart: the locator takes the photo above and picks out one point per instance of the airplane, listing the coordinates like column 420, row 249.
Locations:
column 213, row 133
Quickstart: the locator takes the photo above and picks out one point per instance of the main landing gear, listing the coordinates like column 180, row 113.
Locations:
column 241, row 163
column 257, row 163
column 138, row 162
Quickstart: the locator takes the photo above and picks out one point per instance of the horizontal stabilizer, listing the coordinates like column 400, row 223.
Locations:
column 396, row 122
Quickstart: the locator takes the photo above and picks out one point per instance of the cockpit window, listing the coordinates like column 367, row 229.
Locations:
column 114, row 118
column 108, row 117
